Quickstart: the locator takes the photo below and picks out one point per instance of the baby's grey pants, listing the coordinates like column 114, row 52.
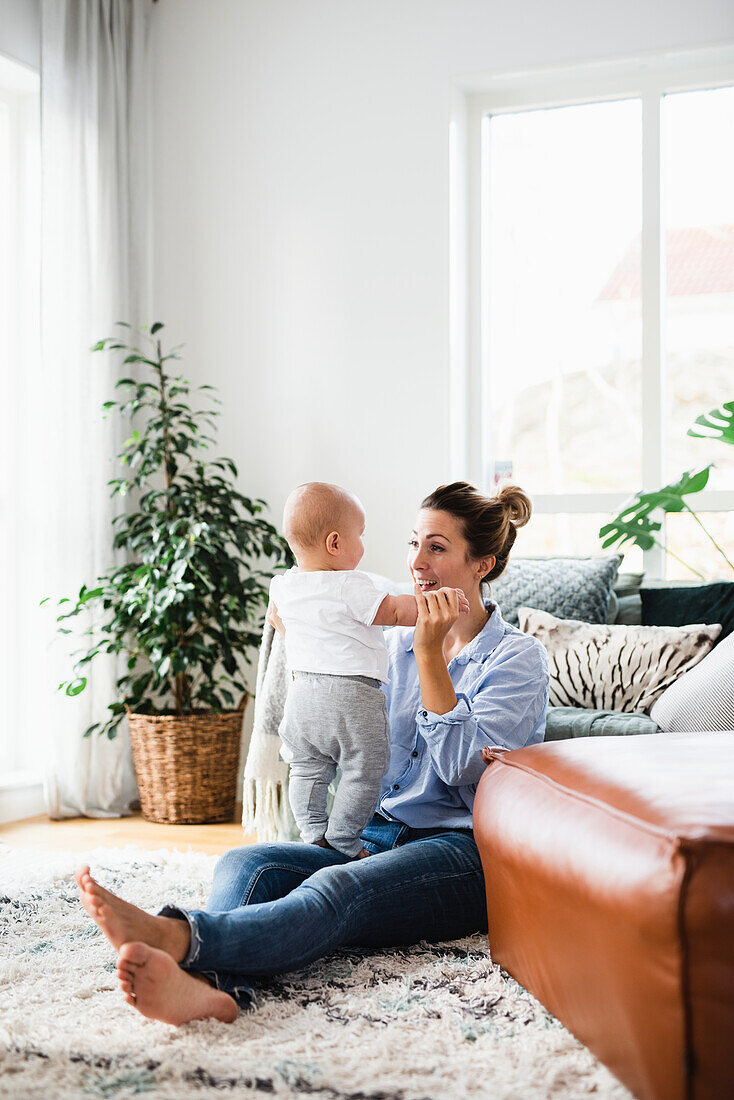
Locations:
column 330, row 720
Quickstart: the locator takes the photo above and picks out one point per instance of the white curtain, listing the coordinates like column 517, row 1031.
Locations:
column 95, row 270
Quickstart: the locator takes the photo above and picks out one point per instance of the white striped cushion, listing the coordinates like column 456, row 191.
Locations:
column 703, row 699
column 621, row 668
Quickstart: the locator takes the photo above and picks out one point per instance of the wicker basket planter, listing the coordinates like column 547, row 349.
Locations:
column 187, row 765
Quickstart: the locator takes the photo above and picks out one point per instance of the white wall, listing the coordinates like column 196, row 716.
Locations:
column 20, row 34
column 301, row 218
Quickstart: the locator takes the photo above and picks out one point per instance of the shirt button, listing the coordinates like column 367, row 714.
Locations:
column 424, row 713
column 414, row 752
column 395, row 787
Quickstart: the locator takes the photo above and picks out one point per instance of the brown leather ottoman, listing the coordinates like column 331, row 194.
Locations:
column 609, row 865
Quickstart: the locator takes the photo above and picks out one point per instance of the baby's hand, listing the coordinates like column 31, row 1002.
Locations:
column 463, row 602
column 274, row 619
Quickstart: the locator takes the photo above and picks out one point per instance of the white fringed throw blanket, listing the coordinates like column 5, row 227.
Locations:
column 265, row 807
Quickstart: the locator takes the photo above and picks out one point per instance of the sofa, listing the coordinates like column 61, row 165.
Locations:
column 608, row 859
column 609, row 872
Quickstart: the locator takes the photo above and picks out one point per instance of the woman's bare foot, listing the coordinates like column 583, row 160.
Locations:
column 157, row 986
column 123, row 922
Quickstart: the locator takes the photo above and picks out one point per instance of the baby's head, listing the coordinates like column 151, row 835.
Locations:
column 323, row 525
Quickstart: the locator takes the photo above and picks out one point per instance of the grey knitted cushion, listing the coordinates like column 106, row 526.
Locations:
column 569, row 588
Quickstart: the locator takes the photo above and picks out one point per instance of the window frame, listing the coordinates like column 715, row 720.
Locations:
column 648, row 78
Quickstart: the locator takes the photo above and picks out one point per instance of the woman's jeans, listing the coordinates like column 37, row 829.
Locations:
column 277, row 907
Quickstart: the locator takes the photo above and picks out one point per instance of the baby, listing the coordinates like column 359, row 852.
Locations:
column 335, row 713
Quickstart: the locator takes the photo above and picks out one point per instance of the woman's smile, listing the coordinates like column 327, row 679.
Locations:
column 437, row 552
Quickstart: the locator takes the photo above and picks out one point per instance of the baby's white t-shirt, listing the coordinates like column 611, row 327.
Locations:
column 327, row 616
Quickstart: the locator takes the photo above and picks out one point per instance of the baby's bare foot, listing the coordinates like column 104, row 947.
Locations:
column 158, row 988
column 123, row 922
column 363, row 854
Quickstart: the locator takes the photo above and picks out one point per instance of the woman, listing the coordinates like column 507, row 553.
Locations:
column 457, row 684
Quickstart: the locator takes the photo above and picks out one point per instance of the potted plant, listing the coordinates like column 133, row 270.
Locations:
column 187, row 608
column 635, row 524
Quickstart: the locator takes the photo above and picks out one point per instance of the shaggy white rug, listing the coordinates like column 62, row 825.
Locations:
column 431, row 1022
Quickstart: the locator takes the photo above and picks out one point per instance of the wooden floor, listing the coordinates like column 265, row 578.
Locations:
column 83, row 833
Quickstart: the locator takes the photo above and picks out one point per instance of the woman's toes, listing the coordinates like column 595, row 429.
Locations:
column 126, row 987
column 92, row 886
column 133, row 953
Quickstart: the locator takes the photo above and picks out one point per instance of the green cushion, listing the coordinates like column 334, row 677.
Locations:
column 679, row 606
column 566, row 722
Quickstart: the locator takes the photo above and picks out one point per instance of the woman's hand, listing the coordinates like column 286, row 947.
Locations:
column 437, row 613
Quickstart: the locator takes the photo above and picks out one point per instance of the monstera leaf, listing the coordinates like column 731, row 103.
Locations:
column 633, row 524
column 638, row 530
column 670, row 497
column 719, row 422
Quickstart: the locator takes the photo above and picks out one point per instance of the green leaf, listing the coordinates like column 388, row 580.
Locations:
column 154, row 328
column 669, row 498
column 638, row 531
column 77, row 686
column 633, row 523
column 719, row 424
column 91, row 595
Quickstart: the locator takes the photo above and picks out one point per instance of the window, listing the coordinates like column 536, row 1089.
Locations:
column 19, row 341
column 592, row 292
column 698, row 209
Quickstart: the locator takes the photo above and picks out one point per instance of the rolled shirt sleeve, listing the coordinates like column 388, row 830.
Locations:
column 504, row 708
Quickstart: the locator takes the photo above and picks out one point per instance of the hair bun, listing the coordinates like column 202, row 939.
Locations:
column 488, row 523
column 517, row 503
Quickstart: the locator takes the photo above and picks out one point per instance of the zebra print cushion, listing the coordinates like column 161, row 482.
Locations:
column 703, row 699
column 614, row 667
